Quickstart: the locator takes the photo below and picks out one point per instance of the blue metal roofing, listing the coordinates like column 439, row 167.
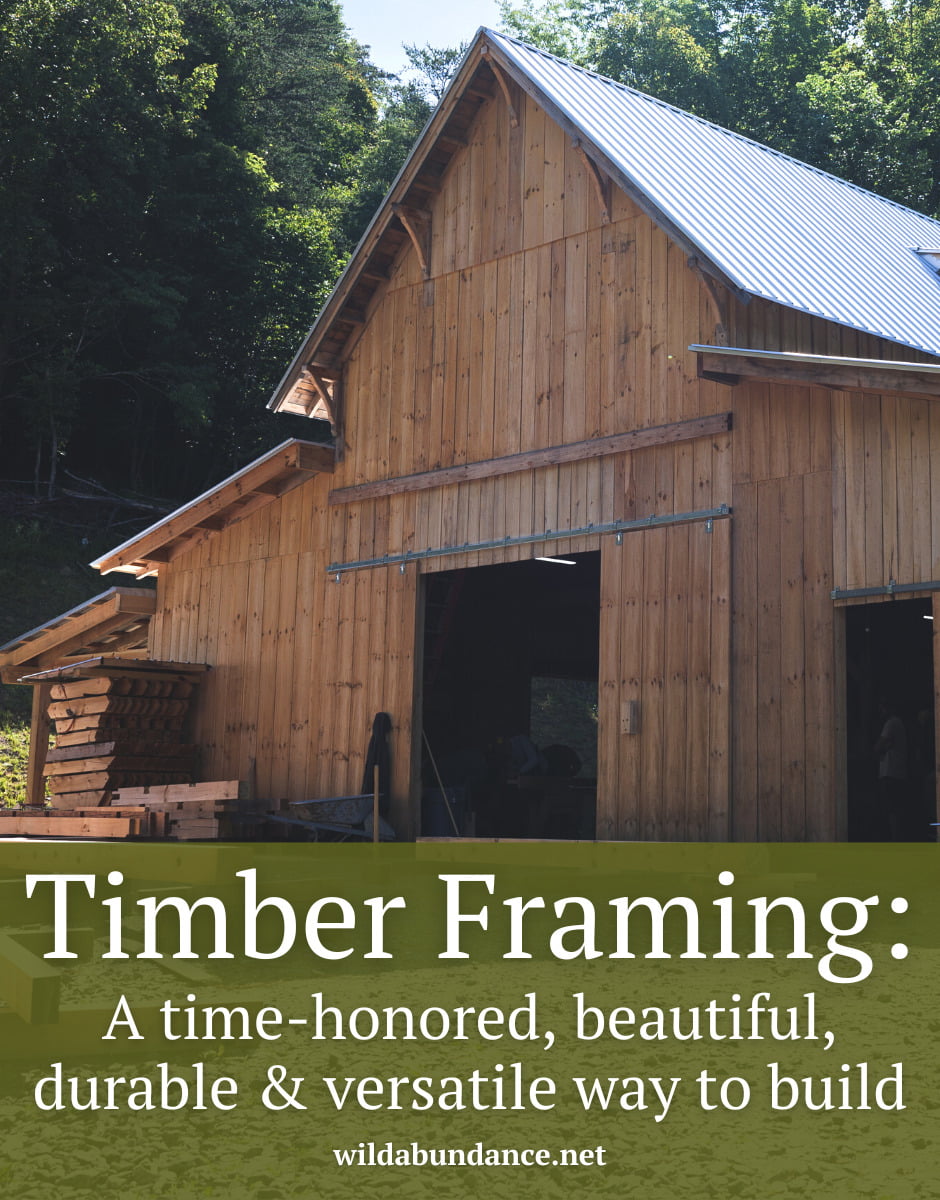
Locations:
column 776, row 227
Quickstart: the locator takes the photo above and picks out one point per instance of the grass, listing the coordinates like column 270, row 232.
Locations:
column 14, row 749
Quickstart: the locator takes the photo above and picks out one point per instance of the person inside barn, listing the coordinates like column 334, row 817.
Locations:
column 891, row 749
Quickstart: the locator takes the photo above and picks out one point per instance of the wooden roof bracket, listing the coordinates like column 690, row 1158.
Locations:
column 503, row 84
column 717, row 299
column 312, row 375
column 417, row 224
column 600, row 180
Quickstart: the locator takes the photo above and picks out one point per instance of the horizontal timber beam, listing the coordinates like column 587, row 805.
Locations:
column 617, row 443
column 733, row 366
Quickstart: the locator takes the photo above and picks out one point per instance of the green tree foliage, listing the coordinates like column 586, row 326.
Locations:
column 166, row 170
column 565, row 29
column 308, row 93
column 847, row 87
column 651, row 47
column 406, row 106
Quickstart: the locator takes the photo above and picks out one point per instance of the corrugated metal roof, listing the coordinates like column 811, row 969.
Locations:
column 776, row 227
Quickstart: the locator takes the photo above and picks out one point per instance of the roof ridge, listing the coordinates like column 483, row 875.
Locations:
column 723, row 129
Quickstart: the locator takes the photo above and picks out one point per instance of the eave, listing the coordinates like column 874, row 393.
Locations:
column 114, row 623
column 260, row 483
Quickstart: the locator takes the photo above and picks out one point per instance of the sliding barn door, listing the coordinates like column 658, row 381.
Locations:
column 663, row 708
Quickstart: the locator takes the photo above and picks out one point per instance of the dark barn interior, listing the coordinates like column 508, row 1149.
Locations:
column 889, row 666
column 510, row 699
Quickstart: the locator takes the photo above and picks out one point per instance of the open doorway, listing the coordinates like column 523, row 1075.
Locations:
column 509, row 699
column 889, row 686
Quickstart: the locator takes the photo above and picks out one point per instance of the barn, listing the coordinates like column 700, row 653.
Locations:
column 633, row 431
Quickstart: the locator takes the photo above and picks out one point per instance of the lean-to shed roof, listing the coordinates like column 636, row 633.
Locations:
column 759, row 221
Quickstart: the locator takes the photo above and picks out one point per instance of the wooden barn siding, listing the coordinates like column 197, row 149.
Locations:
column 300, row 663
column 764, row 325
column 545, row 330
column 665, row 643
column 831, row 489
column 540, row 326
column 785, row 770
column 886, row 497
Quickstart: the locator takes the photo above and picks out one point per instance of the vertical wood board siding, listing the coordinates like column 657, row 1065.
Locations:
column 665, row 643
column 886, row 490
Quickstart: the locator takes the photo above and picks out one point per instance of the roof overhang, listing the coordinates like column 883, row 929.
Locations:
column 115, row 623
column 109, row 666
column 260, row 483
column 733, row 364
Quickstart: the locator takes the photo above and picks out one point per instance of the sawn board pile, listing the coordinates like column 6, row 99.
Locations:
column 182, row 812
column 120, row 766
column 188, row 812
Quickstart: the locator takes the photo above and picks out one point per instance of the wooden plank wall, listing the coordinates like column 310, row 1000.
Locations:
column 665, row 644
column 545, row 331
column 783, row 659
column 540, row 325
column 886, row 498
column 301, row 664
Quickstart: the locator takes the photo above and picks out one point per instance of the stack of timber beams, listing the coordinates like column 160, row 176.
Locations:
column 117, row 732
column 118, row 725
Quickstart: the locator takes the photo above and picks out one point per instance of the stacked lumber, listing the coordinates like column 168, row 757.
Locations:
column 117, row 731
column 180, row 812
column 188, row 812
column 120, row 767
column 76, row 822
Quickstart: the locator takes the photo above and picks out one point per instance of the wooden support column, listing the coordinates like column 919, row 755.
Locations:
column 38, row 744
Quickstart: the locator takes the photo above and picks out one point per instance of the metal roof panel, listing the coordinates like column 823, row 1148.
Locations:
column 777, row 227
